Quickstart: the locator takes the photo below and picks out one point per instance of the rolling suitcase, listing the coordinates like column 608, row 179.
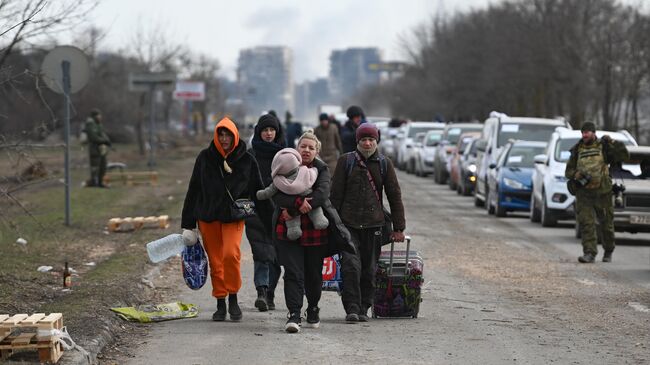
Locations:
column 398, row 283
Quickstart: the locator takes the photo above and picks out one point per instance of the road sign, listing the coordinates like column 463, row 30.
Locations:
column 190, row 90
column 142, row 82
column 65, row 70
column 52, row 70
column 386, row 66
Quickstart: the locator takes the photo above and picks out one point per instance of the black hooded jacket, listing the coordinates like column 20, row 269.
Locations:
column 259, row 238
column 207, row 199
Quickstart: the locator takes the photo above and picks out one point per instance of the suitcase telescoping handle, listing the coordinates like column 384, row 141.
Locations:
column 392, row 251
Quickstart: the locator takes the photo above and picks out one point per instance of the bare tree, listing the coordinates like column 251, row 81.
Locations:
column 155, row 52
column 22, row 21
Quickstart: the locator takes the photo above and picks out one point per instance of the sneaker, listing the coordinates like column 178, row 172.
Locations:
column 363, row 316
column 607, row 256
column 587, row 258
column 313, row 320
column 293, row 323
column 352, row 317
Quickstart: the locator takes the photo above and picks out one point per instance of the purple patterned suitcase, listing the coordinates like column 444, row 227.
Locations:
column 398, row 282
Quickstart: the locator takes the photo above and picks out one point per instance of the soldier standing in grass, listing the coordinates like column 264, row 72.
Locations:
column 98, row 144
column 588, row 171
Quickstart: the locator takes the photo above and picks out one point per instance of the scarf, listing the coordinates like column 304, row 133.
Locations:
column 265, row 149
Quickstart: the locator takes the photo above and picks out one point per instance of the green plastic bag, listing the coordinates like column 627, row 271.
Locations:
column 158, row 312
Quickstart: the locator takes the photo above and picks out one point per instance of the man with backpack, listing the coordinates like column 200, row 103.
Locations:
column 360, row 179
column 588, row 171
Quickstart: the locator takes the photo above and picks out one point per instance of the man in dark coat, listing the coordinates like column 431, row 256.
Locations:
column 98, row 144
column 267, row 141
column 357, row 194
column 294, row 130
column 348, row 131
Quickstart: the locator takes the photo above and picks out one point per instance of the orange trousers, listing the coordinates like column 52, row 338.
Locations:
column 222, row 245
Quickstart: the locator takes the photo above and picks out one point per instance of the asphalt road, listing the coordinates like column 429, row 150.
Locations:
column 496, row 291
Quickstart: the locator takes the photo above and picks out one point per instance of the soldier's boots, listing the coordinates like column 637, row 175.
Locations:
column 587, row 258
column 607, row 256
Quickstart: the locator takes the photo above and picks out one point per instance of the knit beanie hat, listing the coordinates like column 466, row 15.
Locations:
column 354, row 111
column 268, row 120
column 588, row 126
column 367, row 130
column 323, row 116
column 285, row 161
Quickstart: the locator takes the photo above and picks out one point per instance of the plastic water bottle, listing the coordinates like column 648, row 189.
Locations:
column 166, row 247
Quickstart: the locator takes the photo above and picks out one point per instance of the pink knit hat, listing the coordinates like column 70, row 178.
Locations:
column 286, row 160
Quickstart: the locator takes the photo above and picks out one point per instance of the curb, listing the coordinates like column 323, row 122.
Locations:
column 107, row 333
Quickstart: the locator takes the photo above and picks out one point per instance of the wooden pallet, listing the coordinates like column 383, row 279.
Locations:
column 133, row 178
column 20, row 332
column 130, row 224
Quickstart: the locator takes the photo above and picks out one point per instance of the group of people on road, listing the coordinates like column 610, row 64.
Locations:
column 350, row 200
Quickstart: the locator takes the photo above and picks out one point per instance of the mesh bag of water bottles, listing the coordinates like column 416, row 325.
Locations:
column 194, row 260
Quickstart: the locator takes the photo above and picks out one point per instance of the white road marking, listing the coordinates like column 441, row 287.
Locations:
column 639, row 307
column 586, row 282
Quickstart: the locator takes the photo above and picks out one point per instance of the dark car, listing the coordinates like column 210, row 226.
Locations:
column 454, row 165
column 510, row 178
column 467, row 169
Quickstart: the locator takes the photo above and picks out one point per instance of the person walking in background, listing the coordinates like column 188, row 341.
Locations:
column 302, row 259
column 223, row 173
column 98, row 144
column 348, row 132
column 328, row 134
column 588, row 171
column 268, row 139
column 360, row 179
column 294, row 130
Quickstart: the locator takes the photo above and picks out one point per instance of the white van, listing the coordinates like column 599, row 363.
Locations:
column 497, row 131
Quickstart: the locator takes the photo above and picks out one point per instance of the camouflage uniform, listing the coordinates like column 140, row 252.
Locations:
column 98, row 143
column 596, row 196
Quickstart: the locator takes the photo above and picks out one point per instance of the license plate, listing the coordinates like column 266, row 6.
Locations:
column 640, row 219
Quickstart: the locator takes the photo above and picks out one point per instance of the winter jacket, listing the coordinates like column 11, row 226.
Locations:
column 339, row 238
column 258, row 236
column 355, row 200
column 349, row 137
column 612, row 152
column 96, row 136
column 331, row 147
column 294, row 131
column 207, row 199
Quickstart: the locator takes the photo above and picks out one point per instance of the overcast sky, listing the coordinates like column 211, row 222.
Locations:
column 312, row 28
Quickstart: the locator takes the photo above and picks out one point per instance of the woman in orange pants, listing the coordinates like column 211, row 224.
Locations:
column 223, row 173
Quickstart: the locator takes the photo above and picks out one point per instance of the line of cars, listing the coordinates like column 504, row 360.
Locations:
column 514, row 164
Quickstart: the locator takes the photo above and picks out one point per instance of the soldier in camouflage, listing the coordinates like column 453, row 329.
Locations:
column 588, row 171
column 98, row 144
